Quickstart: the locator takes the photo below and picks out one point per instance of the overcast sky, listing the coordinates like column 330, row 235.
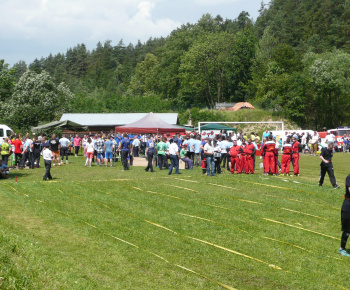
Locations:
column 32, row 29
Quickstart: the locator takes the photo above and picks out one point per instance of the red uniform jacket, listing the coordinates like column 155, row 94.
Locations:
column 249, row 149
column 295, row 147
column 270, row 146
column 287, row 149
column 235, row 150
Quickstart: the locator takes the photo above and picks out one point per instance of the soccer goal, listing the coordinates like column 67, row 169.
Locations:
column 277, row 123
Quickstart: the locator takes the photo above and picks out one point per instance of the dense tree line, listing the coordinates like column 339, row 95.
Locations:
column 293, row 61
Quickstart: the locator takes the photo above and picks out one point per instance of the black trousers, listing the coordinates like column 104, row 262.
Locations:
column 135, row 151
column 225, row 159
column 64, row 152
column 47, row 169
column 329, row 169
column 26, row 156
column 163, row 161
column 18, row 158
column 36, row 157
column 217, row 162
column 190, row 155
column 150, row 159
column 125, row 159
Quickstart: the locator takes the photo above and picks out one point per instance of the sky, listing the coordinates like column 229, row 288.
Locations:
column 32, row 29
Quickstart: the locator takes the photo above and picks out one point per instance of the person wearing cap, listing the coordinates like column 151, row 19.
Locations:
column 124, row 146
column 64, row 142
column 47, row 155
column 174, row 156
column 209, row 155
column 212, row 135
column 345, row 219
column 327, row 166
column 217, row 157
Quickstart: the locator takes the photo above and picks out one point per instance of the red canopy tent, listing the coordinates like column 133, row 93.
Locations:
column 150, row 124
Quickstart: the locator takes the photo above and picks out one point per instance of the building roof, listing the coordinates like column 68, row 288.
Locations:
column 240, row 106
column 219, row 106
column 112, row 119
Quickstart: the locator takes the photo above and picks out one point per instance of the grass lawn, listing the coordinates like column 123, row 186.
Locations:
column 96, row 228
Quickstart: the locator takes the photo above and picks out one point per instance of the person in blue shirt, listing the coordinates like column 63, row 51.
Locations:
column 190, row 148
column 124, row 146
column 150, row 149
column 197, row 150
column 109, row 151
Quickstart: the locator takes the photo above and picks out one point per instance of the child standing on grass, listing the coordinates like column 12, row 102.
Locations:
column 47, row 155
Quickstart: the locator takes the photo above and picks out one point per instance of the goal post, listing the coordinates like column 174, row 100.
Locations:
column 267, row 122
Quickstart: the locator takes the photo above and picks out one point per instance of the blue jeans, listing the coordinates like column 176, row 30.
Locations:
column 210, row 163
column 174, row 163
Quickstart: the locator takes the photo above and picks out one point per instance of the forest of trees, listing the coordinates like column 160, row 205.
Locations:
column 293, row 60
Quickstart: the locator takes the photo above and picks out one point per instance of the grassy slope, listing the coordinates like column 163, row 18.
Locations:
column 73, row 232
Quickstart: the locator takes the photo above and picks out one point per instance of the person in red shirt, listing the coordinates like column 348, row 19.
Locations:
column 243, row 158
column 286, row 157
column 295, row 155
column 250, row 152
column 270, row 160
column 18, row 150
column 235, row 153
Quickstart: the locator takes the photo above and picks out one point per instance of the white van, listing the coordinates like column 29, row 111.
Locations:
column 5, row 132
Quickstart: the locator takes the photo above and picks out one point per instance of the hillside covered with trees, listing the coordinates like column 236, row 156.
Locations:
column 293, row 60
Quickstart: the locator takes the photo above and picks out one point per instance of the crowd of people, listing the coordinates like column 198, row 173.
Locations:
column 235, row 152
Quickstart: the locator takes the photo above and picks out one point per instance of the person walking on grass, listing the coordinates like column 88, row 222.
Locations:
column 327, row 165
column 48, row 156
column 89, row 151
column 345, row 219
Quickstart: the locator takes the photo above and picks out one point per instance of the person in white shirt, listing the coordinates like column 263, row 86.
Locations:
column 47, row 155
column 174, row 156
column 64, row 142
column 217, row 156
column 209, row 153
column 89, row 152
column 136, row 147
column 314, row 144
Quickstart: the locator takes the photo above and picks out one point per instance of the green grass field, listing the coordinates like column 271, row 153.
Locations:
column 96, row 228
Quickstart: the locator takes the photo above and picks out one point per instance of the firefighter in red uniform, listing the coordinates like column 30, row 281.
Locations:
column 243, row 158
column 286, row 157
column 250, row 152
column 270, row 162
column 262, row 150
column 276, row 160
column 295, row 155
column 235, row 153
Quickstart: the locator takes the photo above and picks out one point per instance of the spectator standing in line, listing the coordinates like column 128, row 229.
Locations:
column 100, row 148
column 47, row 156
column 77, row 144
column 162, row 158
column 217, row 156
column 37, row 148
column 174, row 156
column 190, row 148
column 327, row 165
column 197, row 150
column 64, row 143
